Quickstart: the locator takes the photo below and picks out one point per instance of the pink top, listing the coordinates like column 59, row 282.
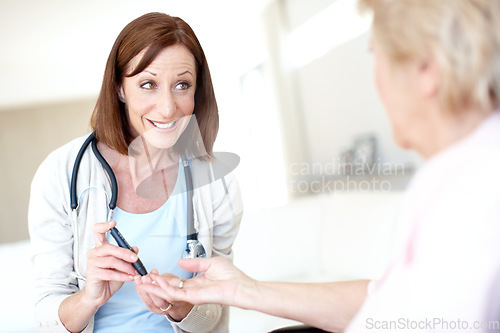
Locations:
column 445, row 275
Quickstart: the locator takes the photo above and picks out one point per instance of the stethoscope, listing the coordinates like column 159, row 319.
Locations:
column 194, row 248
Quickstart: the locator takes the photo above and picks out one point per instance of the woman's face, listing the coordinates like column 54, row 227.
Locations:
column 159, row 101
column 400, row 92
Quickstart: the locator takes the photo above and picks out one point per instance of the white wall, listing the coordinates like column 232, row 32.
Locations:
column 339, row 102
column 55, row 50
column 27, row 135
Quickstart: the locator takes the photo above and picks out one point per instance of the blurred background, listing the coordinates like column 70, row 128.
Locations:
column 297, row 103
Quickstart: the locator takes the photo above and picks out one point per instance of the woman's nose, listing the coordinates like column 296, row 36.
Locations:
column 166, row 104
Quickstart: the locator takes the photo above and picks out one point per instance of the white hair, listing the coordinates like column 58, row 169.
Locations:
column 463, row 36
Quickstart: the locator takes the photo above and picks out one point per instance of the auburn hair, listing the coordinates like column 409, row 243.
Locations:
column 151, row 32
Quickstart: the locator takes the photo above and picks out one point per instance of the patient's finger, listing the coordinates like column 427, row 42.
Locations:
column 195, row 265
column 171, row 279
column 163, row 282
column 154, row 290
column 172, row 288
column 146, row 297
column 157, row 301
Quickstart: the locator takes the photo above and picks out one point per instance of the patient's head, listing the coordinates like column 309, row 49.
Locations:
column 437, row 67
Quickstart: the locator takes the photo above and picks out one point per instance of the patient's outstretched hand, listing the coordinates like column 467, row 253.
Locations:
column 155, row 304
column 221, row 283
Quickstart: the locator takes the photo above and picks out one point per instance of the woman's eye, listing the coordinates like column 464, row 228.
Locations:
column 148, row 85
column 182, row 86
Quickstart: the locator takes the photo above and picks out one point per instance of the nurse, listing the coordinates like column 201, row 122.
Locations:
column 156, row 99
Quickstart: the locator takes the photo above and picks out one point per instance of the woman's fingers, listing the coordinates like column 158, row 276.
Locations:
column 116, row 264
column 114, row 251
column 112, row 258
column 100, row 230
column 110, row 269
column 112, row 275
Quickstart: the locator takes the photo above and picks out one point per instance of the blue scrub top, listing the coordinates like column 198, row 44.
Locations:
column 161, row 238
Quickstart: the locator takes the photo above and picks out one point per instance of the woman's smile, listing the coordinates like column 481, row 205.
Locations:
column 163, row 125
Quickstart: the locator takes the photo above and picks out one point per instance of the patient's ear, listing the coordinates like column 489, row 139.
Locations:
column 429, row 77
column 120, row 93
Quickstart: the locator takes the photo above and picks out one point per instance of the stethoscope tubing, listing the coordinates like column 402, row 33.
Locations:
column 111, row 175
column 74, row 174
column 192, row 234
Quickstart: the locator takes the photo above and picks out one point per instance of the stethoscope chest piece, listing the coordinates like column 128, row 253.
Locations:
column 193, row 250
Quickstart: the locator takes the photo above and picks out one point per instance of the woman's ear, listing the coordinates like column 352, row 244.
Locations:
column 120, row 93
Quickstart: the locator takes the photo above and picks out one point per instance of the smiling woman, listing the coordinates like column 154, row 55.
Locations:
column 160, row 99
column 136, row 49
column 156, row 118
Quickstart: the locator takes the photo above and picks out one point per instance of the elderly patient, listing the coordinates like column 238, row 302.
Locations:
column 437, row 70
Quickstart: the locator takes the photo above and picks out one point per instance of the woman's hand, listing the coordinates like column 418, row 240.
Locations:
column 221, row 283
column 179, row 309
column 108, row 266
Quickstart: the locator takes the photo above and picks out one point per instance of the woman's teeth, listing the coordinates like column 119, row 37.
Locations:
column 164, row 126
